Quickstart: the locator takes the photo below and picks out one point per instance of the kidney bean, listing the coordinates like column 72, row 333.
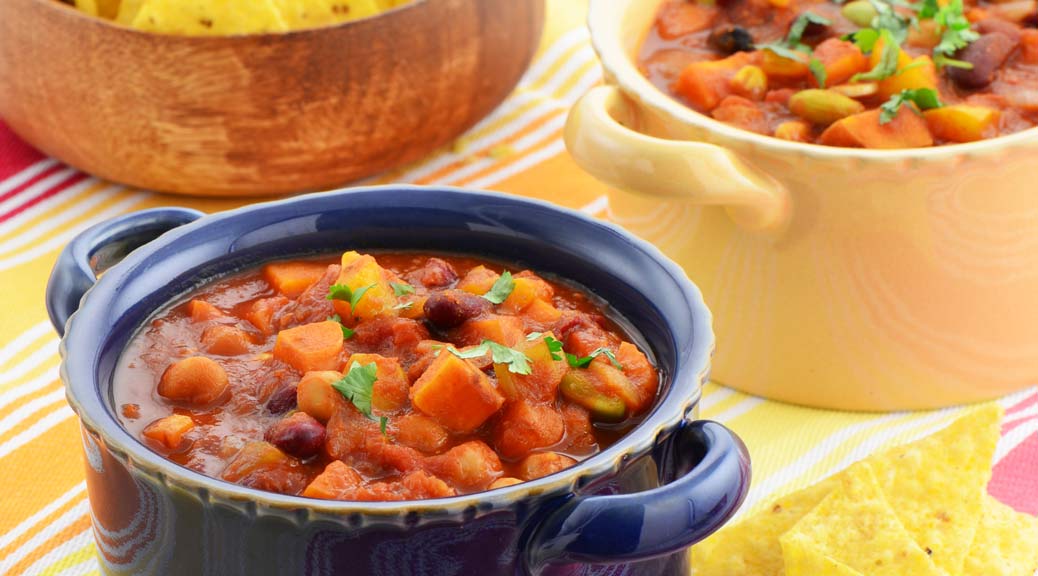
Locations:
column 1000, row 26
column 731, row 39
column 299, row 435
column 282, row 400
column 449, row 309
column 436, row 273
column 987, row 54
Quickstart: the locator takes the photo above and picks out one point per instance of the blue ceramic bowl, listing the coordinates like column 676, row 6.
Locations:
column 635, row 508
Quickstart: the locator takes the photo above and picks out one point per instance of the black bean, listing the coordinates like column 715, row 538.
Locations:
column 299, row 435
column 986, row 54
column 445, row 310
column 731, row 39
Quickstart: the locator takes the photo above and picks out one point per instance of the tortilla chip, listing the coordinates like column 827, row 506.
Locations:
column 803, row 558
column 752, row 545
column 857, row 527
column 306, row 13
column 937, row 485
column 209, row 17
column 128, row 10
column 1006, row 543
column 87, row 6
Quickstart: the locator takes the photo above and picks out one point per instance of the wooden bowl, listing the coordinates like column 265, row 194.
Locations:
column 258, row 114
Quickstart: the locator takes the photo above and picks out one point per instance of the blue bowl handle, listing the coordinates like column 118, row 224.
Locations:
column 630, row 527
column 98, row 248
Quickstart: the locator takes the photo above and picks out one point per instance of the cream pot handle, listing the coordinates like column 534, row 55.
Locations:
column 677, row 169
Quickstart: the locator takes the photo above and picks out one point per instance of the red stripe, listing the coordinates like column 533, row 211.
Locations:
column 1014, row 479
column 75, row 178
column 30, row 182
column 1009, row 426
column 1028, row 401
column 15, row 154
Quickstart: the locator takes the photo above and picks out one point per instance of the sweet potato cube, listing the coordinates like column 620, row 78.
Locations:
column 680, row 18
column 200, row 311
column 527, row 290
column 507, row 330
column 841, row 60
column 261, row 312
column 293, row 278
column 524, row 427
column 255, row 457
column 782, row 68
column 310, row 346
column 962, row 122
column 419, row 432
column 640, row 373
column 335, row 483
column 906, row 130
column 478, row 281
column 545, row 374
column 542, row 464
column 390, row 390
column 541, row 312
column 359, row 271
column 169, row 432
column 455, row 393
column 225, row 340
column 922, row 74
column 704, row 84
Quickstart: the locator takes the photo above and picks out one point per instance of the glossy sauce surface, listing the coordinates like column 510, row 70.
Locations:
column 236, row 381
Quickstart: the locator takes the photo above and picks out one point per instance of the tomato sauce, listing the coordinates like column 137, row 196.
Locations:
column 863, row 73
column 391, row 376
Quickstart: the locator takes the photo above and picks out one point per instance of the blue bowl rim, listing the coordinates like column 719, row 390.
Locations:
column 667, row 413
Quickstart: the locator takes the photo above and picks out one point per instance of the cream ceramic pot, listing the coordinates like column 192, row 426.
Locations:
column 838, row 278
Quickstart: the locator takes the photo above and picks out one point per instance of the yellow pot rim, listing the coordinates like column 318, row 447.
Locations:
column 604, row 23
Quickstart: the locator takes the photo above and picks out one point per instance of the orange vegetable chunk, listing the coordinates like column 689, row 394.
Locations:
column 542, row 464
column 541, row 313
column 169, row 431
column 906, row 130
column 420, row 432
column 293, row 278
column 478, row 281
column 507, row 330
column 335, row 483
column 225, row 340
column 680, row 18
column 310, row 346
column 841, row 60
column 962, row 122
column 524, row 427
column 922, row 74
column 471, row 465
column 261, row 312
column 704, row 84
column 528, row 288
column 640, row 373
column 359, row 271
column 390, row 390
column 782, row 68
column 196, row 380
column 545, row 373
column 455, row 393
column 200, row 311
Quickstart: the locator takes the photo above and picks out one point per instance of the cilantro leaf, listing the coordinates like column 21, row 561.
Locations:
column 890, row 20
column 791, row 46
column 941, row 61
column 865, row 39
column 887, row 65
column 347, row 333
column 518, row 362
column 402, row 289
column 357, row 385
column 358, row 294
column 583, row 362
column 818, row 71
column 382, row 421
column 501, row 289
column 554, row 347
column 955, row 29
column 922, row 98
column 928, row 9
column 343, row 292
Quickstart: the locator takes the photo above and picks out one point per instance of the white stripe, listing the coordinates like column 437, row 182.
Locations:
column 1021, row 415
column 30, row 386
column 23, row 340
column 1014, row 438
column 69, row 211
column 712, row 400
column 41, row 187
column 557, row 50
column 29, row 408
column 550, row 151
column 63, row 198
column 543, row 132
column 739, row 409
column 27, row 173
column 590, row 78
column 59, row 240
column 597, row 205
column 27, row 524
column 40, row 427
column 41, row 356
column 64, row 521
column 59, row 553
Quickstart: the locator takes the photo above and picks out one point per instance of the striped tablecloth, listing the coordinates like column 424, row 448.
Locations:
column 44, row 518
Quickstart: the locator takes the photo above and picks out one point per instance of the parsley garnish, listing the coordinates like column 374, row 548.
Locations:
column 955, row 35
column 347, row 333
column 791, row 46
column 818, row 71
column 864, row 39
column 343, row 292
column 554, row 347
column 518, row 363
column 401, row 289
column 583, row 362
column 922, row 98
column 887, row 65
column 357, row 385
column 404, row 306
column 501, row 289
column 888, row 19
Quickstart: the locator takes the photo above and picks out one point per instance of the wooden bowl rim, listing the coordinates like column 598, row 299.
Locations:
column 69, row 10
